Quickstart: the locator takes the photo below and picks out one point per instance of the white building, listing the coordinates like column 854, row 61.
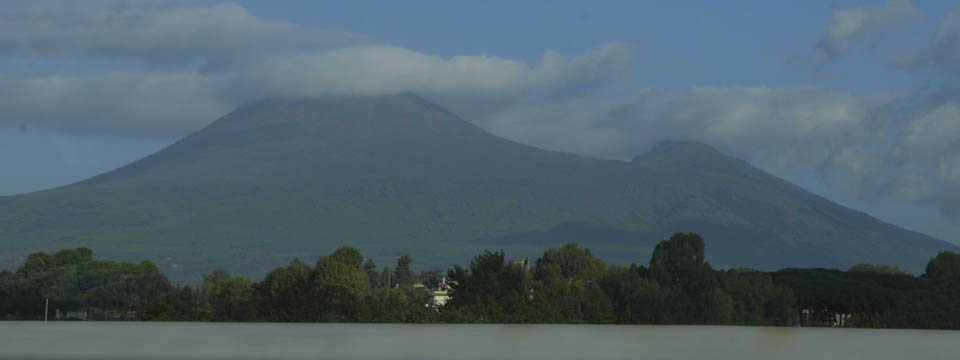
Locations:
column 443, row 293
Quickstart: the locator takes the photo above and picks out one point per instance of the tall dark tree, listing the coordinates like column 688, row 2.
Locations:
column 679, row 262
column 402, row 275
column 567, row 280
column 568, row 262
column 945, row 266
column 370, row 267
column 341, row 284
column 287, row 294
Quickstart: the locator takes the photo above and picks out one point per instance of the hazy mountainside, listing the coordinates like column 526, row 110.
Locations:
column 397, row 175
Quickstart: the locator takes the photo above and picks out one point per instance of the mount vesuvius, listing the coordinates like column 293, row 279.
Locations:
column 397, row 175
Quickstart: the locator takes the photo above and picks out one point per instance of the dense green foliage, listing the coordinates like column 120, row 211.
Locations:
column 73, row 279
column 565, row 285
column 396, row 175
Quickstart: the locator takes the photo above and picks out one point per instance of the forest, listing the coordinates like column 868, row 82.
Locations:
column 566, row 285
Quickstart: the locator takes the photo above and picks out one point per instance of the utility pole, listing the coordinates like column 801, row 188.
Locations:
column 46, row 308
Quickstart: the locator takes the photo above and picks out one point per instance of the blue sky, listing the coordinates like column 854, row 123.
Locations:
column 870, row 124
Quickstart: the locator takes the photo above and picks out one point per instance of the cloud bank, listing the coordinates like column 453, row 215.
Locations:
column 175, row 104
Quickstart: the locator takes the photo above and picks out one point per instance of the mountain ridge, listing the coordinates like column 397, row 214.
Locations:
column 397, row 175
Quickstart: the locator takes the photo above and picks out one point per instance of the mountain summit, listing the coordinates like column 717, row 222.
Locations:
column 396, row 175
column 400, row 117
column 688, row 150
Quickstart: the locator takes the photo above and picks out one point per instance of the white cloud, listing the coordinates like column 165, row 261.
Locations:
column 466, row 83
column 863, row 26
column 786, row 125
column 878, row 145
column 153, row 32
column 244, row 58
column 931, row 132
column 174, row 104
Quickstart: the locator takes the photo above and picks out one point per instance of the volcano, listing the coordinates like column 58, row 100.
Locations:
column 278, row 180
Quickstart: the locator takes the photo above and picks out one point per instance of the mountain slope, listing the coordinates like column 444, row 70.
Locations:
column 395, row 175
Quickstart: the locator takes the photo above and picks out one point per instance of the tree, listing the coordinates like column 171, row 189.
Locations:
column 402, row 275
column 879, row 269
column 231, row 298
column 181, row 304
column 566, row 280
column 287, row 294
column 405, row 305
column 348, row 256
column 36, row 263
column 431, row 279
column 20, row 298
column 757, row 300
column 945, row 266
column 862, row 268
column 370, row 268
column 630, row 293
column 680, row 262
column 71, row 279
column 386, row 277
column 570, row 262
column 939, row 307
column 341, row 284
column 716, row 307
column 567, row 285
column 492, row 290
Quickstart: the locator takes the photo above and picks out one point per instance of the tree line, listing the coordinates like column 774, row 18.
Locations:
column 566, row 285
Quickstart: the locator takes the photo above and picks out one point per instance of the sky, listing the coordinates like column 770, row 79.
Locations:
column 858, row 101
